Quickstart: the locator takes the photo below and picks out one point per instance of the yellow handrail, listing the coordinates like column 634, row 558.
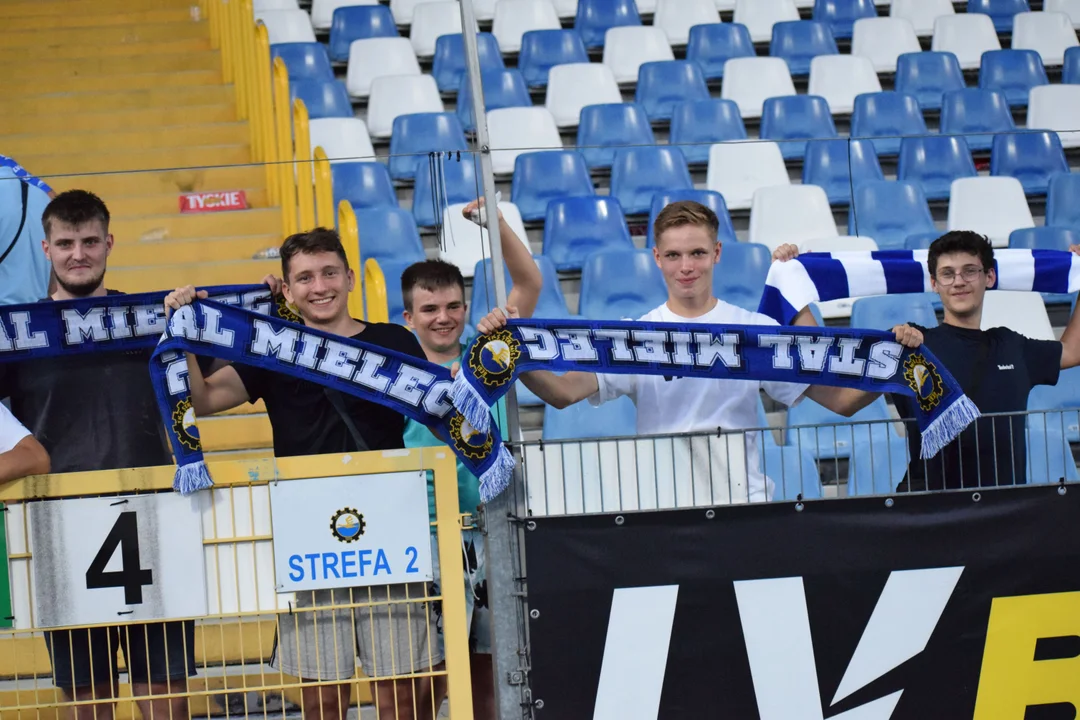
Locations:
column 375, row 292
column 286, row 174
column 264, row 111
column 350, row 239
column 324, row 190
column 305, row 195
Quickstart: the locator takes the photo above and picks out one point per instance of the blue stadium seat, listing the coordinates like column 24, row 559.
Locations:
column 1000, row 11
column 709, row 198
column 714, row 44
column 839, row 165
column 364, row 184
column 1030, row 157
column 884, row 312
column 596, row 17
column 799, row 42
column 1049, row 458
column 928, row 76
column 697, row 125
column 388, row 233
column 603, row 128
column 640, row 172
column 503, row 88
column 620, row 284
column 448, row 66
column 887, row 117
column 739, row 277
column 392, row 270
column 841, row 15
column 661, row 85
column 922, row 241
column 879, row 461
column 543, row 49
column 414, row 136
column 576, row 227
column 1063, row 201
column 358, row 22
column 1047, row 238
column 793, row 473
column 551, row 304
column 459, row 183
column 581, row 420
column 934, row 162
column 1070, row 72
column 977, row 115
column 1013, row 72
column 1063, row 396
column 889, row 211
column 791, row 120
column 304, row 60
column 832, row 436
column 540, row 177
column 323, row 99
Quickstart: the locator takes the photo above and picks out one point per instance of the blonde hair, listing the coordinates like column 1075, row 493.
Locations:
column 686, row 212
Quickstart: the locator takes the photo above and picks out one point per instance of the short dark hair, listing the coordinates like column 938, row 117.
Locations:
column 686, row 212
column 961, row 241
column 75, row 207
column 430, row 275
column 314, row 241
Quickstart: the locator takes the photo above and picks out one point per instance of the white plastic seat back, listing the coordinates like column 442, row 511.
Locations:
column 646, row 7
column 574, row 85
column 1069, row 7
column 261, row 6
column 512, row 131
column 286, row 26
column 1048, row 33
column 790, row 214
column 759, row 16
column 840, row 78
column 394, row 95
column 1056, row 107
column 750, row 81
column 484, row 9
column 465, row 243
column 1022, row 312
column 991, row 206
column 322, row 11
column 627, row 47
column 882, row 40
column 966, row 35
column 343, row 139
column 565, row 8
column 375, row 57
column 737, row 170
column 676, row 17
column 430, row 20
column 514, row 18
column 726, row 5
column 402, row 10
column 921, row 13
column 841, row 307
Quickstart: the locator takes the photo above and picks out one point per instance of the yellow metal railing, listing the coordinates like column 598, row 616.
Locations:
column 324, row 189
column 305, row 194
column 375, row 292
column 350, row 238
column 283, row 140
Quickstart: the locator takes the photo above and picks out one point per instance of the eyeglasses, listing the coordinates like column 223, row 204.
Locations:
column 948, row 276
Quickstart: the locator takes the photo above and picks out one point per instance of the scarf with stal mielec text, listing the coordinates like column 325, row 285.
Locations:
column 415, row 388
column 861, row 359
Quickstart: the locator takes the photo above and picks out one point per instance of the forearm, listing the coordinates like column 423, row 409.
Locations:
column 1070, row 343
column 843, row 401
column 560, row 391
column 805, row 317
column 524, row 274
column 26, row 458
column 200, row 394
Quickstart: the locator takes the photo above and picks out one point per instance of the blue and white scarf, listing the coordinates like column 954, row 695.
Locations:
column 20, row 172
column 817, row 277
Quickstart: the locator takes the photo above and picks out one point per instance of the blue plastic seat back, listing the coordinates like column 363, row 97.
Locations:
column 934, row 162
column 800, row 41
column 392, row 270
column 928, row 76
column 890, row 211
column 697, row 125
column 550, row 305
column 884, row 312
column 662, row 85
column 709, row 198
column 739, row 277
column 794, row 473
column 1063, row 201
column 448, row 65
column 1000, row 11
column 576, row 227
column 1049, row 457
column 1064, row 396
column 1044, row 238
column 388, row 233
column 620, row 284
column 543, row 49
column 1030, row 157
column 581, row 420
column 540, row 177
column 457, row 182
column 363, row 184
column 841, row 15
column 414, row 136
column 1070, row 72
column 887, row 117
column 879, row 460
column 638, row 173
column 503, row 88
column 322, row 99
column 839, row 165
column 922, row 240
column 829, row 435
column 1012, row 72
column 977, row 114
column 596, row 17
column 358, row 22
column 304, row 60
column 793, row 119
column 603, row 128
column 713, row 44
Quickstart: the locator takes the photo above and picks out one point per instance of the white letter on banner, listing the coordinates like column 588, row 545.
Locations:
column 540, row 343
column 212, row 332
column 884, row 359
column 309, row 348
column 24, row 340
column 405, row 387
column 6, row 344
column 847, row 364
column 781, row 345
column 580, row 347
column 118, row 319
column 620, row 351
column 339, row 359
column 709, row 348
column 812, row 353
column 257, row 301
column 437, row 398
column 366, row 374
column 176, row 376
column 681, row 355
column 651, row 346
column 282, row 344
column 182, row 323
column 79, row 327
column 149, row 319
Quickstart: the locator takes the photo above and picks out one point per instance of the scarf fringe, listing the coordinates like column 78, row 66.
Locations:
column 470, row 403
column 192, row 477
column 947, row 426
column 496, row 478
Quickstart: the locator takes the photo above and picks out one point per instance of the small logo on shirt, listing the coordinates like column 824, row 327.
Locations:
column 1005, row 367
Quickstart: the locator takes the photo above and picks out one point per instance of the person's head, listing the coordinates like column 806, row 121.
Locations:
column 316, row 277
column 433, row 292
column 77, row 240
column 687, row 248
column 961, row 265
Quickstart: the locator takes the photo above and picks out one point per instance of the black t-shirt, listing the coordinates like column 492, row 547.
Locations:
column 304, row 420
column 992, row 450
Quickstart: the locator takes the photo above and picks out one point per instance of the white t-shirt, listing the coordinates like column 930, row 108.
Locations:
column 684, row 405
column 11, row 430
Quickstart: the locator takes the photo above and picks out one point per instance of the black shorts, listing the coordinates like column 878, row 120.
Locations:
column 154, row 653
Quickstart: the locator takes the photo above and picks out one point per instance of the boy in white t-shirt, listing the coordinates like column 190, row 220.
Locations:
column 20, row 452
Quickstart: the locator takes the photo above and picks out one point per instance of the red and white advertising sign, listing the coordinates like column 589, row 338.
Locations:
column 213, row 201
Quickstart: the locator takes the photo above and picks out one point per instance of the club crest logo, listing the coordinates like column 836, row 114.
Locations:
column 285, row 311
column 347, row 525
column 493, row 359
column 469, row 441
column 924, row 379
column 184, row 427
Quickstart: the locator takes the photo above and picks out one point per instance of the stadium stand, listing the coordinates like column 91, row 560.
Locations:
column 1048, row 33
column 840, row 79
column 458, row 181
column 886, row 118
column 544, row 177
column 1012, row 72
column 696, row 125
column 595, row 17
column 750, row 81
column 737, row 170
column 304, row 61
column 543, row 49
column 663, row 85
column 883, row 40
column 448, row 65
column 606, row 127
column 934, row 162
column 503, row 88
column 993, row 206
column 1055, row 107
column 1031, row 158
column 363, row 184
column 976, row 114
column 966, row 36
column 417, row 134
column 627, row 48
column 376, row 57
column 928, row 76
column 572, row 86
column 576, row 227
column 921, row 13
column 358, row 22
column 759, row 16
column 514, row 18
column 790, row 121
column 790, row 214
column 838, row 166
column 890, row 212
column 637, row 173
column 1062, row 208
column 799, row 42
column 620, row 284
column 677, row 17
column 710, row 46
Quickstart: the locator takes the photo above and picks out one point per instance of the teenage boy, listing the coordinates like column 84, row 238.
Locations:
column 20, row 453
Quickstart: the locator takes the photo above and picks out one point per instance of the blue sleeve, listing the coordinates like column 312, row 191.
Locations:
column 20, row 172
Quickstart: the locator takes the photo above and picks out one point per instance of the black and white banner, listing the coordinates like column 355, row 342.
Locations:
column 958, row 605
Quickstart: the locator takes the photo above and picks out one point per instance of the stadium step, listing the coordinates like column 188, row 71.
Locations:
column 167, row 136
column 205, row 156
column 106, row 120
column 160, row 182
column 38, row 8
column 56, row 37
column 77, row 102
column 157, row 277
column 190, row 226
column 90, row 18
column 11, row 57
column 31, row 87
column 164, row 204
column 131, row 252
column 89, row 67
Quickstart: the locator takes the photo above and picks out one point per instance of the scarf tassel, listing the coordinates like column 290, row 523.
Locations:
column 497, row 477
column 947, row 426
column 192, row 477
column 470, row 403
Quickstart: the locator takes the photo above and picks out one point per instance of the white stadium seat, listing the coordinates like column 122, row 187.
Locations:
column 966, row 35
column 394, row 95
column 430, row 20
column 738, row 170
column 464, row 243
column 676, row 17
column 1069, row 7
column 286, row 26
column 750, row 81
column 991, row 206
column 627, row 47
column 1048, row 33
column 840, row 78
column 646, row 7
column 759, row 16
column 376, row 57
column 484, row 9
column 1022, row 312
column 514, row 18
column 402, row 10
column 1056, row 107
column 790, row 214
column 343, row 139
column 322, row 11
column 512, row 131
column 565, row 8
column 723, row 5
column 574, row 85
column 882, row 40
column 260, row 6
column 921, row 13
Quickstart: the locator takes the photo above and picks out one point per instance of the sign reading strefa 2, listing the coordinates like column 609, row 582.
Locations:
column 350, row 531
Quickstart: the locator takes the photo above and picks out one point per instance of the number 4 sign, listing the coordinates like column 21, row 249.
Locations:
column 116, row 559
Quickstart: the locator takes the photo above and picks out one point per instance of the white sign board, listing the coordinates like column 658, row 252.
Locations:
column 116, row 559
column 350, row 531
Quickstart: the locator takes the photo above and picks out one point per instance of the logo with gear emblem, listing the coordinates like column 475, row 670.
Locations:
column 347, row 525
